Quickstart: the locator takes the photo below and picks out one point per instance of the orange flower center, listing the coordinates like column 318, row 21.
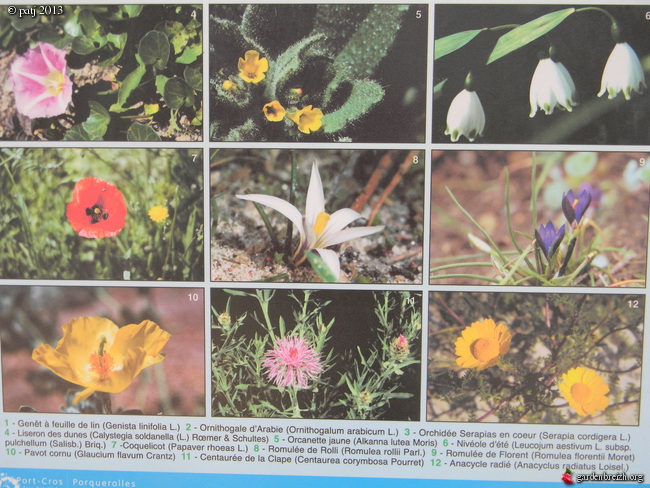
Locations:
column 54, row 82
column 321, row 222
column 485, row 349
column 101, row 364
column 581, row 392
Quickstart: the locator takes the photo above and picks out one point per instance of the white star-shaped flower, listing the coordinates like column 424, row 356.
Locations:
column 465, row 117
column 623, row 72
column 318, row 229
column 551, row 85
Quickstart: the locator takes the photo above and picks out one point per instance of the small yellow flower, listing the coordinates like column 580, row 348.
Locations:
column 482, row 344
column 584, row 390
column 252, row 68
column 158, row 213
column 308, row 119
column 229, row 85
column 99, row 355
column 274, row 111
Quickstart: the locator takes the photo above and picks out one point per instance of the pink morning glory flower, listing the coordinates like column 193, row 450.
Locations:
column 292, row 363
column 42, row 87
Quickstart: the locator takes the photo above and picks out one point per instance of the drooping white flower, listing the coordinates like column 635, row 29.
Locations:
column 551, row 85
column 465, row 117
column 623, row 72
column 317, row 228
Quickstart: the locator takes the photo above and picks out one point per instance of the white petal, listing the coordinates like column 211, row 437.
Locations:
column 282, row 206
column 551, row 85
column 465, row 117
column 331, row 259
column 315, row 198
column 349, row 234
column 623, row 72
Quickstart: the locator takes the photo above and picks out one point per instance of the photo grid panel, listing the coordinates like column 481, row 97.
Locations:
column 408, row 242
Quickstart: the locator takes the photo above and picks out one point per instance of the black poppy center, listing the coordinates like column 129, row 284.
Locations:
column 96, row 213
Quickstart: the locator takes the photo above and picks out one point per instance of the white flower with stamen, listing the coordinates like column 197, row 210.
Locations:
column 318, row 229
column 623, row 72
column 551, row 85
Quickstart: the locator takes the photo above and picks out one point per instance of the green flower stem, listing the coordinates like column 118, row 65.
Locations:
column 509, row 221
column 459, row 265
column 292, row 201
column 478, row 226
column 169, row 255
column 267, row 224
column 598, row 9
column 462, row 275
column 264, row 299
column 516, row 264
column 107, row 406
column 293, row 394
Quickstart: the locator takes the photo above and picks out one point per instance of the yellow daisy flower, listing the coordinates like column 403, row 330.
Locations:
column 584, row 390
column 482, row 344
column 158, row 213
column 99, row 355
column 252, row 68
column 274, row 112
column 308, row 119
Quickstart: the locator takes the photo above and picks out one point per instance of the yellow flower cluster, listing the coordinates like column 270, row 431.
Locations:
column 482, row 345
column 252, row 69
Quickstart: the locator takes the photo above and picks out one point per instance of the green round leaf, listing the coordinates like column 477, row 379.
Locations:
column 178, row 93
column 580, row 164
column 193, row 76
column 97, row 123
column 154, row 49
column 24, row 23
column 139, row 132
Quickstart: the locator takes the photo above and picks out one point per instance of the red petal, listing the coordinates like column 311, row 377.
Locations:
column 90, row 192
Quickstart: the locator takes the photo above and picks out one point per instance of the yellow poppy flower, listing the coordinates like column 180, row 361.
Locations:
column 584, row 390
column 308, row 119
column 99, row 355
column 252, row 68
column 274, row 111
column 482, row 344
column 158, row 213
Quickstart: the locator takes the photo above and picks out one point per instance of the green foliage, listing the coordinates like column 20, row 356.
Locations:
column 551, row 334
column 37, row 242
column 135, row 45
column 449, row 44
column 581, row 255
column 527, row 33
column 326, row 67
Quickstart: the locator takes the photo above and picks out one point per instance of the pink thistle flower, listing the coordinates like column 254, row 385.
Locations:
column 292, row 363
column 42, row 87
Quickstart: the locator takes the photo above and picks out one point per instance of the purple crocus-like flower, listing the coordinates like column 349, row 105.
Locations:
column 292, row 363
column 575, row 207
column 548, row 239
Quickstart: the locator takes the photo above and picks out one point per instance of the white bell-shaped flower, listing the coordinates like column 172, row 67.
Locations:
column 551, row 85
column 465, row 117
column 623, row 72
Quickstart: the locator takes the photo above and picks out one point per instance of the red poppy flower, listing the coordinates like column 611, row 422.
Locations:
column 97, row 209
